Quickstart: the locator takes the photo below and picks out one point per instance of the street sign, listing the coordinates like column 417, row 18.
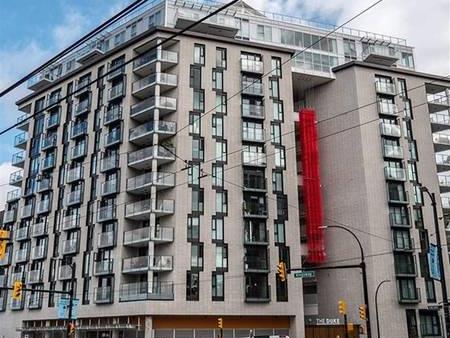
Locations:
column 433, row 262
column 304, row 274
column 63, row 308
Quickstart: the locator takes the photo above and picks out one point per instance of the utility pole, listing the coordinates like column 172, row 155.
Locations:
column 71, row 324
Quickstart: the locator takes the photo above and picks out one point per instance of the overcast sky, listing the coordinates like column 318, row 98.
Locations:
column 32, row 31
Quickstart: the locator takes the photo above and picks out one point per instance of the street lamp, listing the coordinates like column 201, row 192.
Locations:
column 376, row 306
column 441, row 263
column 364, row 274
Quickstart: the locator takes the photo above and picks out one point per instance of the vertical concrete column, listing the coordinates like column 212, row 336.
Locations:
column 297, row 327
column 148, row 333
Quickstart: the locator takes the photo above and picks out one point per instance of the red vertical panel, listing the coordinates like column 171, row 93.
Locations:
column 311, row 186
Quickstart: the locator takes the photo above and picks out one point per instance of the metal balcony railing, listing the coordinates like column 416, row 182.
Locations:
column 71, row 222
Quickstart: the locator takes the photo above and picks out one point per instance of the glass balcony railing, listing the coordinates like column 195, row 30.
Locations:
column 392, row 173
column 147, row 263
column 7, row 258
column 441, row 139
column 65, row 272
column 136, row 209
column 161, row 102
column 258, row 235
column 78, row 151
column 440, row 119
column 252, row 88
column 18, row 159
column 82, row 107
column 146, row 291
column 39, row 229
column 153, row 56
column 13, row 195
column 392, row 151
column 387, row 108
column 22, row 233
column 10, row 216
column 109, row 162
column 71, row 222
column 20, row 140
column 443, row 159
column 103, row 267
column 439, row 99
column 70, row 246
column 392, row 130
column 255, row 263
column 75, row 174
column 399, row 220
column 113, row 137
column 258, row 291
column 116, row 91
column 79, row 129
column 110, row 187
column 404, row 244
column 44, row 206
column 35, row 300
column 253, row 158
column 74, row 197
column 445, row 201
column 106, row 239
column 153, row 79
column 106, row 213
column 254, row 182
column 150, row 153
column 401, row 197
column 27, row 210
column 444, row 180
column 52, row 121
column 253, row 111
column 17, row 304
column 385, row 87
column 141, row 235
column 148, row 128
column 160, row 179
column 113, row 114
column 252, row 66
column 45, row 184
column 252, row 134
column 115, row 70
column 48, row 162
column 23, row 122
column 53, row 99
column 39, row 252
column 103, row 295
column 3, row 280
column 39, row 80
column 254, row 209
column 48, row 142
column 82, row 86
column 22, row 255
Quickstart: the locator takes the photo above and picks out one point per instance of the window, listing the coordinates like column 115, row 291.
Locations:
column 408, row 108
column 194, row 174
column 195, row 77
column 280, row 156
column 192, row 285
column 198, row 147
column 221, row 151
column 407, row 289
column 411, row 321
column 429, row 323
column 217, row 229
column 197, row 256
column 252, row 131
column 399, row 216
column 217, row 78
column 275, row 133
column 402, row 92
column 199, row 100
column 396, row 192
column 193, row 228
column 197, row 201
column 217, row 126
column 264, row 33
column 418, row 217
column 349, row 50
column 418, row 197
column 119, row 38
column 194, row 124
column 217, row 175
column 221, row 58
column 217, row 283
column 404, row 264
column 279, row 232
column 222, row 257
column 154, row 19
column 221, row 202
column 133, row 29
column 199, row 54
column 407, row 60
column 278, row 111
column 221, row 103
column 274, row 88
column 276, row 66
column 282, row 207
column 277, row 181
column 412, row 172
column 402, row 240
column 431, row 294
column 412, row 150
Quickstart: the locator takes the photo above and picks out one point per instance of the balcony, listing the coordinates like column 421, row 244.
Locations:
column 220, row 25
column 71, row 222
column 144, row 110
column 252, row 88
column 439, row 122
column 53, row 100
column 254, row 209
column 110, row 162
column 65, row 272
column 115, row 70
column 147, row 263
column 143, row 135
column 20, row 141
column 82, row 87
column 113, row 137
column 442, row 162
column 48, row 142
column 145, row 64
column 82, row 108
column 18, row 159
column 379, row 54
column 444, row 183
column 387, row 108
column 395, row 174
column 35, row 300
column 254, row 183
column 445, row 201
column 3, row 280
column 441, row 142
column 257, row 292
column 117, row 91
column 399, row 220
column 74, row 197
column 75, row 174
column 22, row 234
column 52, row 121
column 22, row 255
column 78, row 151
column 392, row 151
column 39, row 229
column 140, row 211
column 140, row 237
column 145, row 87
column 253, row 134
column 35, row 276
column 251, row 158
column 10, row 216
column 27, row 210
column 24, row 121
column 70, row 246
column 106, row 239
column 142, row 159
column 78, row 129
column 146, row 291
column 110, row 187
column 44, row 184
column 44, row 206
column 391, row 130
column 256, row 264
column 398, row 197
column 256, row 235
column 385, row 88
column 13, row 195
column 48, row 162
column 252, row 66
column 140, row 185
column 103, row 267
column 106, row 213
column 40, row 81
column 404, row 245
column 438, row 101
column 113, row 114
column 17, row 304
column 253, row 111
column 7, row 258
column 405, row 267
column 103, row 295
column 18, row 277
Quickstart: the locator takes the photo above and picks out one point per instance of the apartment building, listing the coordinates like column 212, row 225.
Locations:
column 173, row 183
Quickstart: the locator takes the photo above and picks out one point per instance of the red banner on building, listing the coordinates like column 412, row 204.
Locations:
column 312, row 194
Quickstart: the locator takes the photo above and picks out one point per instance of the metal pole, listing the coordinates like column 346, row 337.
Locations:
column 364, row 275
column 376, row 306
column 71, row 294
column 345, row 325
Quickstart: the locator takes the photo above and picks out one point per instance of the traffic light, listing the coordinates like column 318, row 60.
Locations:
column 2, row 248
column 17, row 290
column 362, row 312
column 342, row 306
column 4, row 234
column 71, row 329
column 220, row 322
column 282, row 271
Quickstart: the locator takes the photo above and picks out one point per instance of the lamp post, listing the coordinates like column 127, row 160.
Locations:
column 364, row 274
column 441, row 263
column 376, row 306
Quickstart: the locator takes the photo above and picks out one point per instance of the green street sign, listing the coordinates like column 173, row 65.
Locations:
column 305, row 274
